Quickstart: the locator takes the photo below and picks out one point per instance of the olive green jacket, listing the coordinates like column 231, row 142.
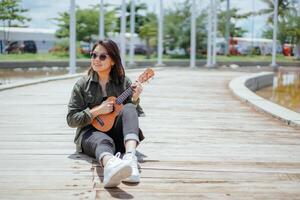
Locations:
column 86, row 94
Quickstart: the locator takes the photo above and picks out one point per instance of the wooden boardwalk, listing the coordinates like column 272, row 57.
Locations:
column 201, row 143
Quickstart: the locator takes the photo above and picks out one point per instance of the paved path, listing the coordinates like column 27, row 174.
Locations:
column 202, row 143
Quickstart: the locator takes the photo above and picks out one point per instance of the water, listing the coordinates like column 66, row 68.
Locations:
column 285, row 90
column 8, row 76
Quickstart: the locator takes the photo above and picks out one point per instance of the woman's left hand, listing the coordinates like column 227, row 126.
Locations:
column 137, row 90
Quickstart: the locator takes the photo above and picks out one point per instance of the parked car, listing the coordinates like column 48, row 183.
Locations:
column 26, row 46
column 177, row 51
column 140, row 49
column 85, row 48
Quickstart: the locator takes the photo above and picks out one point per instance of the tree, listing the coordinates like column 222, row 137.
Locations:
column 288, row 22
column 87, row 23
column 178, row 28
column 293, row 30
column 234, row 31
column 11, row 11
column 288, row 32
column 283, row 7
column 148, row 31
column 140, row 16
column 177, row 25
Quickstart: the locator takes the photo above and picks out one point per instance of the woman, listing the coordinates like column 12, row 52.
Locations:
column 106, row 77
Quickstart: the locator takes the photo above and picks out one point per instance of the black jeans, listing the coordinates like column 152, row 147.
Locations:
column 126, row 127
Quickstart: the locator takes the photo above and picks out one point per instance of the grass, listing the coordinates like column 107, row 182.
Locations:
column 279, row 58
column 36, row 57
column 64, row 57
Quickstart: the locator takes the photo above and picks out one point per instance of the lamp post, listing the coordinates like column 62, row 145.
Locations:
column 160, row 34
column 209, row 32
column 215, row 32
column 101, row 21
column 72, row 39
column 122, row 34
column 193, row 36
column 228, row 16
column 275, row 21
column 132, row 31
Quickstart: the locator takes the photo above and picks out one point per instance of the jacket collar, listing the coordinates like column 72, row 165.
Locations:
column 95, row 78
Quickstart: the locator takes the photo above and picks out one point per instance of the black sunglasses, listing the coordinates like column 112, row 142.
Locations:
column 101, row 56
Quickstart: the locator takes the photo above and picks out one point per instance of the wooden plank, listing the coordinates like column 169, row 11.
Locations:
column 201, row 143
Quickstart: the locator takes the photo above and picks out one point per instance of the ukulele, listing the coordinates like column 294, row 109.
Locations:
column 105, row 122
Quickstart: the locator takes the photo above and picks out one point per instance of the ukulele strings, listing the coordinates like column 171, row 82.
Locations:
column 124, row 95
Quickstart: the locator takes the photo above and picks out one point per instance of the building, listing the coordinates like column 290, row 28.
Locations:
column 245, row 46
column 43, row 38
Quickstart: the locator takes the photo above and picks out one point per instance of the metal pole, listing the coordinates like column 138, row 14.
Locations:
column 122, row 34
column 132, row 31
column 101, row 21
column 209, row 32
column 227, row 35
column 160, row 33
column 72, row 47
column 299, row 8
column 215, row 31
column 193, row 36
column 275, row 20
column 297, row 46
column 252, row 26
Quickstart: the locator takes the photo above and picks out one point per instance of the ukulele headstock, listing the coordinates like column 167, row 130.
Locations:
column 146, row 75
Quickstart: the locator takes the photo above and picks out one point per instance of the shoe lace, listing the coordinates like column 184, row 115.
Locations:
column 114, row 158
column 118, row 155
column 133, row 158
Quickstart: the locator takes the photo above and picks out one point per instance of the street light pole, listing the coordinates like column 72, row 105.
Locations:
column 275, row 21
column 132, row 31
column 215, row 31
column 193, row 36
column 299, row 8
column 122, row 34
column 160, row 34
column 101, row 20
column 72, row 39
column 252, row 26
column 228, row 16
column 209, row 32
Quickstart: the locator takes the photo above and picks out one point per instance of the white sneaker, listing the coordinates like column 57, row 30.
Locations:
column 135, row 176
column 116, row 170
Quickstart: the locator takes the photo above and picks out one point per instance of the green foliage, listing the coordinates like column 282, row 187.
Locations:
column 87, row 23
column 148, row 31
column 293, row 28
column 284, row 6
column 10, row 11
column 233, row 29
column 61, row 49
column 178, row 25
column 140, row 16
column 288, row 29
column 177, row 28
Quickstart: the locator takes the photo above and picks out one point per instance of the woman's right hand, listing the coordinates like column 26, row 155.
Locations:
column 104, row 108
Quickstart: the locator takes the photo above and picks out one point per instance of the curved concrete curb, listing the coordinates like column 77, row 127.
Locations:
column 243, row 86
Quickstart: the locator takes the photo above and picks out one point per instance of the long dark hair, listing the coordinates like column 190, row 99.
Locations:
column 117, row 72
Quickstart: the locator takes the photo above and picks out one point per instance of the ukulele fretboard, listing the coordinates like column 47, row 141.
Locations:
column 124, row 96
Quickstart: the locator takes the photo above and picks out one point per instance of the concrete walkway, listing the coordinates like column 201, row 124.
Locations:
column 201, row 143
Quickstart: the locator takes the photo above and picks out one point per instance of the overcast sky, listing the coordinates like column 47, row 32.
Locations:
column 41, row 11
